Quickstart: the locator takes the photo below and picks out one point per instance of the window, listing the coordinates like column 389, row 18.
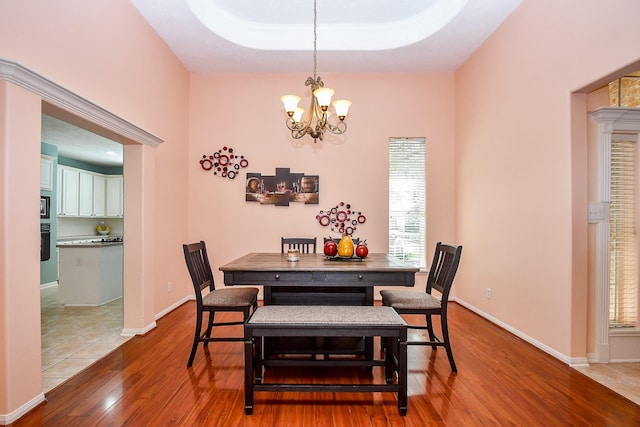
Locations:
column 407, row 195
column 623, row 253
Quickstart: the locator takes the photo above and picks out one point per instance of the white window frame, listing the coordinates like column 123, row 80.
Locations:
column 609, row 120
column 623, row 217
column 407, row 199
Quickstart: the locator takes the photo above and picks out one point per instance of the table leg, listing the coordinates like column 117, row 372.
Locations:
column 259, row 365
column 248, row 374
column 388, row 359
column 402, row 373
column 266, row 298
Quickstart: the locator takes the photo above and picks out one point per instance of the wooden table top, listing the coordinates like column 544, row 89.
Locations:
column 377, row 262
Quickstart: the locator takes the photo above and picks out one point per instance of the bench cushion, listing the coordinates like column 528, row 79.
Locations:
column 325, row 315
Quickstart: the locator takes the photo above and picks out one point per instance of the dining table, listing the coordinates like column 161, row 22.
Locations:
column 316, row 279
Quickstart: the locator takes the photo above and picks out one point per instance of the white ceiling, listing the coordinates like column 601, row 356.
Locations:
column 79, row 144
column 277, row 35
column 352, row 35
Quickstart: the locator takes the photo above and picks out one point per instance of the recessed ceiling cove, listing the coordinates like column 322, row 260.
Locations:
column 274, row 36
column 359, row 25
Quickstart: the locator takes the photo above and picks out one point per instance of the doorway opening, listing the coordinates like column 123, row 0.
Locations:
column 81, row 298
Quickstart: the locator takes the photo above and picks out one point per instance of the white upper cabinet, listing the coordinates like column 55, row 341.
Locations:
column 59, row 193
column 91, row 194
column 88, row 194
column 70, row 191
column 85, row 194
column 114, row 196
column 98, row 196
column 46, row 173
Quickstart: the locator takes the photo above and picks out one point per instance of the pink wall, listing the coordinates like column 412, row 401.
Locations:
column 520, row 204
column 111, row 57
column 244, row 112
column 19, row 275
column 132, row 74
column 504, row 159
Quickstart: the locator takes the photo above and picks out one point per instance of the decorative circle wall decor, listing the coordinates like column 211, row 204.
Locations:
column 224, row 163
column 342, row 218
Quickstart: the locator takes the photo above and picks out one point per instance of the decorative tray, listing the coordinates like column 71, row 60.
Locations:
column 343, row 258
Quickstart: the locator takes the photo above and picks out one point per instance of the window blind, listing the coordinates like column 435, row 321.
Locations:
column 407, row 195
column 623, row 262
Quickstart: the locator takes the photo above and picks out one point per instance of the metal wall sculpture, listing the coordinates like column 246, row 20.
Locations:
column 342, row 218
column 224, row 163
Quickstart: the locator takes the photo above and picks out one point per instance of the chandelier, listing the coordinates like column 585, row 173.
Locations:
column 316, row 119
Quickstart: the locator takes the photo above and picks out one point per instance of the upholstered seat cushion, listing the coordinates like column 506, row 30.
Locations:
column 231, row 297
column 409, row 300
column 337, row 315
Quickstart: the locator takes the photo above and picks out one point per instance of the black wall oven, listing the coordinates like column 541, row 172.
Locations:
column 45, row 241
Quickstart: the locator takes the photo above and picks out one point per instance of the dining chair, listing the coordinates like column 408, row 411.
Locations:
column 304, row 245
column 236, row 299
column 443, row 270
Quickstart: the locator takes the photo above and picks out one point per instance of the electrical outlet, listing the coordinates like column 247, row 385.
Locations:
column 488, row 293
column 598, row 212
column 169, row 287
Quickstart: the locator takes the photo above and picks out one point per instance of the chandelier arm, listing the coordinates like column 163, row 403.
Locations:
column 337, row 129
column 295, row 126
column 297, row 134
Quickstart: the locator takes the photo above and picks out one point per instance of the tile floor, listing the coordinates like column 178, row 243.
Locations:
column 623, row 378
column 75, row 337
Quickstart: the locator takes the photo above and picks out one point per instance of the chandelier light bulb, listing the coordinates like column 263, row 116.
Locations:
column 342, row 107
column 290, row 103
column 323, row 95
column 297, row 114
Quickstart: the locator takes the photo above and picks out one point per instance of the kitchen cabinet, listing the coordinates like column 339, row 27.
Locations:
column 46, row 173
column 114, row 197
column 99, row 201
column 70, row 191
column 59, row 193
column 90, row 274
column 91, row 195
column 85, row 194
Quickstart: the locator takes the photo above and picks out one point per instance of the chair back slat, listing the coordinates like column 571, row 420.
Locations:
column 195, row 255
column 304, row 245
column 443, row 269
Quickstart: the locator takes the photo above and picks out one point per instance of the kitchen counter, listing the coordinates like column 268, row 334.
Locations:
column 89, row 239
column 92, row 244
column 90, row 273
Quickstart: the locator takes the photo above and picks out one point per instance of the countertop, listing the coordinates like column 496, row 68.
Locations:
column 87, row 241
column 90, row 244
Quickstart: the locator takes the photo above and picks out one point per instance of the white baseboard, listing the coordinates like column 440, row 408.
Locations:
column 571, row 361
column 15, row 415
column 173, row 307
column 48, row 285
column 129, row 332
column 624, row 360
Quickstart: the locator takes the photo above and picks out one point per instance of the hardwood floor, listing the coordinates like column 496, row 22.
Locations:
column 501, row 380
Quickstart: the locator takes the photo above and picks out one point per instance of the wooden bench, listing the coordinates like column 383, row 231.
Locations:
column 326, row 321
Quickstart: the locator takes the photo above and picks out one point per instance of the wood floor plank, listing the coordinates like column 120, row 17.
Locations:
column 501, row 380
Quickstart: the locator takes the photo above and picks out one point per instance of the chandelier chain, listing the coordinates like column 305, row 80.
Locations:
column 315, row 37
